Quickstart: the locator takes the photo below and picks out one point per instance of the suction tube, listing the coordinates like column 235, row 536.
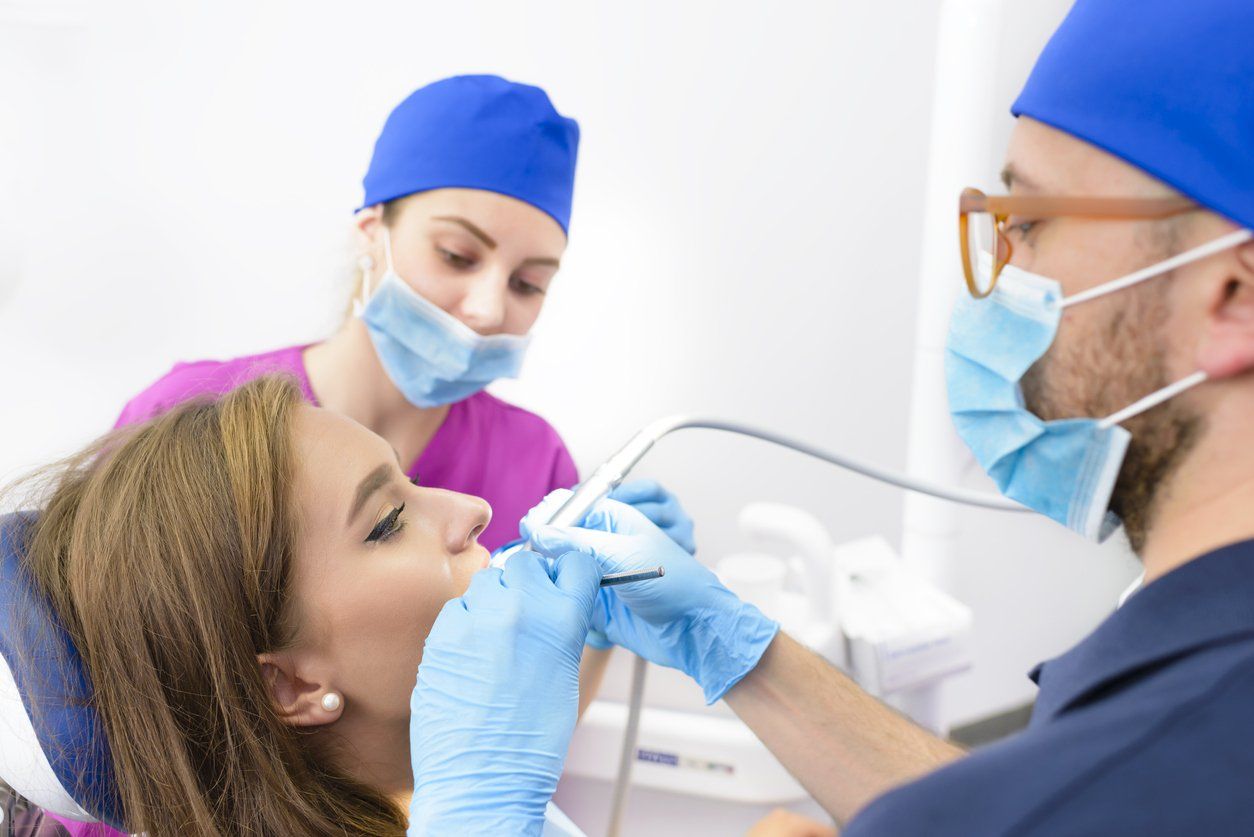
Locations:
column 614, row 470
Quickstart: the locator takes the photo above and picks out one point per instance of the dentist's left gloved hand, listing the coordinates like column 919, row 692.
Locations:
column 661, row 507
column 497, row 695
column 686, row 620
column 664, row 511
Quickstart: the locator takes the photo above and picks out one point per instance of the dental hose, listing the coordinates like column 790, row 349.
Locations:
column 627, row 758
column 610, row 474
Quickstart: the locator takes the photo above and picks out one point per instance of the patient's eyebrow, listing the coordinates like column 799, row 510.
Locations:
column 375, row 480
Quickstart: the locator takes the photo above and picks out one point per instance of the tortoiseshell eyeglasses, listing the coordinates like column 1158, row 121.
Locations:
column 983, row 221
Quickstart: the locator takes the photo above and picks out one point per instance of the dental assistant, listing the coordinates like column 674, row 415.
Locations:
column 461, row 231
column 1101, row 369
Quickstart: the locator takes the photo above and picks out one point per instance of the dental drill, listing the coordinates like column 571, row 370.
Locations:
column 610, row 474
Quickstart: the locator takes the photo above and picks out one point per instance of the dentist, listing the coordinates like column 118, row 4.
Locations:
column 1101, row 369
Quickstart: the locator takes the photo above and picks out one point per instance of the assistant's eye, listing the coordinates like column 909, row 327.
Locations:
column 455, row 259
column 524, row 287
column 388, row 526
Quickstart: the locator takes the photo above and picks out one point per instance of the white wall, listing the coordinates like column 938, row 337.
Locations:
column 176, row 181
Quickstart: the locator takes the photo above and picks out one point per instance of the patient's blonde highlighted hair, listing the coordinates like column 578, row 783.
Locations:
column 166, row 549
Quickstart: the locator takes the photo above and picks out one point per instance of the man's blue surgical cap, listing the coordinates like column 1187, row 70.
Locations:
column 477, row 132
column 1167, row 85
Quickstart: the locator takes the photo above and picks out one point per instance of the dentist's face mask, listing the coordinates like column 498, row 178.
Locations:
column 1063, row 469
column 432, row 357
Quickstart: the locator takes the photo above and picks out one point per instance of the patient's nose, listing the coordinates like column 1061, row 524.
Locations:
column 468, row 517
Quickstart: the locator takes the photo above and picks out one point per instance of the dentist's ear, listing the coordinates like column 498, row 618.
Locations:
column 1227, row 348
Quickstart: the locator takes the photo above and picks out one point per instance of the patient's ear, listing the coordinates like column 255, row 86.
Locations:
column 297, row 696
column 1227, row 348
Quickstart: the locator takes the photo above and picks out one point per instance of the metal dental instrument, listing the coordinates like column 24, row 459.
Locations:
column 614, row 470
column 628, row 577
column 610, row 580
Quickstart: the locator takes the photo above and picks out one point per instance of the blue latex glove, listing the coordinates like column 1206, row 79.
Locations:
column 686, row 620
column 661, row 507
column 497, row 695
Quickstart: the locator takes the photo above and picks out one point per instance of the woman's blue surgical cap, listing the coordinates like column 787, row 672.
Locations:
column 477, row 132
column 1167, row 85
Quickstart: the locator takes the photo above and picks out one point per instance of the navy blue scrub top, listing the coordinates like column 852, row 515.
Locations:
column 1146, row 727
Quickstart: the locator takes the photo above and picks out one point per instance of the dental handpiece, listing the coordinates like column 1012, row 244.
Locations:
column 605, row 479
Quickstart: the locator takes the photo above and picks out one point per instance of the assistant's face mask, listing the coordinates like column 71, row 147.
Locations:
column 432, row 357
column 1065, row 469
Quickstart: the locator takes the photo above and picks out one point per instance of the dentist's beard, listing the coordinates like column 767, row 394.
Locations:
column 1122, row 363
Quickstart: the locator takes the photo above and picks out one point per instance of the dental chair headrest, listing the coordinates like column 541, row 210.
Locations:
column 52, row 744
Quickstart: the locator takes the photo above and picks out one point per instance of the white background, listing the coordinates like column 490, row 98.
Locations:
column 176, row 182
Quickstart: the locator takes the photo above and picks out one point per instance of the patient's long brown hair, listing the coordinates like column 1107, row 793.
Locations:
column 166, row 549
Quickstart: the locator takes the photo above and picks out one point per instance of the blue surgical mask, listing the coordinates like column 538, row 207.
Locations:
column 432, row 357
column 1065, row 469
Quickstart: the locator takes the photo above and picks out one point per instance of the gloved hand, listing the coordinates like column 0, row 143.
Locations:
column 661, row 507
column 686, row 620
column 497, row 695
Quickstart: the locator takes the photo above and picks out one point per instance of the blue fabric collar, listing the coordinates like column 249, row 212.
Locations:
column 1206, row 601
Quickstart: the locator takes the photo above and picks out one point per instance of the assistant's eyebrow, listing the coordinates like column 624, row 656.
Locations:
column 469, row 227
column 544, row 261
column 375, row 480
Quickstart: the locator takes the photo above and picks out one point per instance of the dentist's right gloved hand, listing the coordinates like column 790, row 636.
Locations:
column 497, row 694
column 686, row 620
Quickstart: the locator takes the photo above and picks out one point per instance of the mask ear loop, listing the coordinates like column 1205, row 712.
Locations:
column 1149, row 402
column 1210, row 248
column 366, row 264
column 1152, row 400
column 387, row 249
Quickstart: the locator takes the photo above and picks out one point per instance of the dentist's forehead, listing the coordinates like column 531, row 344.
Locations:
column 1045, row 160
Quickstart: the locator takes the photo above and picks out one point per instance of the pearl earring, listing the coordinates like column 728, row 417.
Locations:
column 330, row 701
column 366, row 262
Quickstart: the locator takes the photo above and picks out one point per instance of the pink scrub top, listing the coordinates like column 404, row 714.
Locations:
column 508, row 456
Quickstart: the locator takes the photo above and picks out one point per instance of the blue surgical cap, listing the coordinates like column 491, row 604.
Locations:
column 1167, row 85
column 477, row 132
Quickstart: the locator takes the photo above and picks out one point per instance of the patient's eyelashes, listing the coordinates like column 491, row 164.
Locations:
column 388, row 526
